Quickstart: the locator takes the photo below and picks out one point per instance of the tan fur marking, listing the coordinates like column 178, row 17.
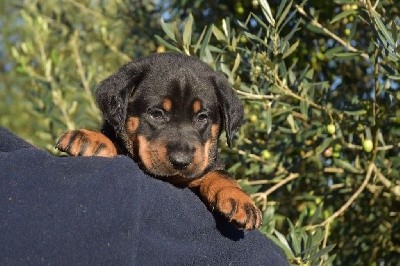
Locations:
column 201, row 157
column 220, row 192
column 95, row 139
column 75, row 146
column 214, row 131
column 167, row 104
column 132, row 124
column 144, row 152
column 85, row 142
column 154, row 157
column 196, row 106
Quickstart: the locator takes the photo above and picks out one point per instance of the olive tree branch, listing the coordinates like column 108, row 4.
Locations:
column 395, row 189
column 262, row 196
column 371, row 169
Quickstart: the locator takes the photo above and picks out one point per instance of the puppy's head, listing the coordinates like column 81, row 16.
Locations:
column 168, row 110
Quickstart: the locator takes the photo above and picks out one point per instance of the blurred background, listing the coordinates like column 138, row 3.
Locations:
column 319, row 80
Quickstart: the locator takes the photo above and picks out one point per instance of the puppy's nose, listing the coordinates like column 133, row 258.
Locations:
column 180, row 155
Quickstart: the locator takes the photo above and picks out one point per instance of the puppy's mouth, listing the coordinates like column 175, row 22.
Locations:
column 163, row 161
column 164, row 168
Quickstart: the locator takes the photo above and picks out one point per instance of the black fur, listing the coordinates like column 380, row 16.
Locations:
column 114, row 93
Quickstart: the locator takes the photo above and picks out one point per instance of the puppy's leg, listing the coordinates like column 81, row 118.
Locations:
column 223, row 193
column 84, row 142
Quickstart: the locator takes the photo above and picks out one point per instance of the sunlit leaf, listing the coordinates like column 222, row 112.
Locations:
column 284, row 13
column 166, row 44
column 218, row 33
column 187, row 31
column 267, row 11
column 343, row 14
column 167, row 28
column 292, row 48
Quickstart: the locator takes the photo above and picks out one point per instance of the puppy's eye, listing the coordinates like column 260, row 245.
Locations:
column 202, row 117
column 157, row 114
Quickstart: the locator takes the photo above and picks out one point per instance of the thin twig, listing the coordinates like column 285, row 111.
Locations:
column 376, row 5
column 369, row 5
column 281, row 183
column 289, row 92
column 255, row 96
column 352, row 146
column 287, row 179
column 325, row 241
column 353, row 197
column 387, row 147
column 260, row 182
column 262, row 196
column 387, row 183
column 335, row 170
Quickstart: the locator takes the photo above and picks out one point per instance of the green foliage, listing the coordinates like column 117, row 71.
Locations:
column 316, row 154
column 59, row 53
column 319, row 152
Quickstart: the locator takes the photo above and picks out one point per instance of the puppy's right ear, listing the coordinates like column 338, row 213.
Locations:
column 113, row 93
column 230, row 106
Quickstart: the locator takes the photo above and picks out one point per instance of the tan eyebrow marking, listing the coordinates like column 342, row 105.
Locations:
column 167, row 104
column 196, row 106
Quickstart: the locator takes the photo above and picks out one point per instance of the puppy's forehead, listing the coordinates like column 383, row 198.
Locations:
column 178, row 88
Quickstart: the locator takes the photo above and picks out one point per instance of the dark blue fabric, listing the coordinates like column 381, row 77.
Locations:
column 99, row 211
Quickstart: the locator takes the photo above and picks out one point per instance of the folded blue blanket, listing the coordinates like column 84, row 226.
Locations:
column 101, row 211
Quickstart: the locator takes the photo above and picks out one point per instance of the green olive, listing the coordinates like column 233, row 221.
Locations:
column 331, row 129
column 253, row 118
column 266, row 154
column 368, row 145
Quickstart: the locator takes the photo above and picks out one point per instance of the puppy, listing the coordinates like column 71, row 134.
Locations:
column 166, row 111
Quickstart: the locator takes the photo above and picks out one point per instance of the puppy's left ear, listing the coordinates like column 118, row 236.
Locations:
column 230, row 106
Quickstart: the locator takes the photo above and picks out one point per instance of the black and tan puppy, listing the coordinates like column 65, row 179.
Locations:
column 166, row 112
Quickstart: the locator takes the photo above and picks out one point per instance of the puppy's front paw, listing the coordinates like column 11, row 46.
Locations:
column 238, row 208
column 84, row 142
column 223, row 194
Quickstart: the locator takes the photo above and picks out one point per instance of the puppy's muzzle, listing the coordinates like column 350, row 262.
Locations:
column 180, row 155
